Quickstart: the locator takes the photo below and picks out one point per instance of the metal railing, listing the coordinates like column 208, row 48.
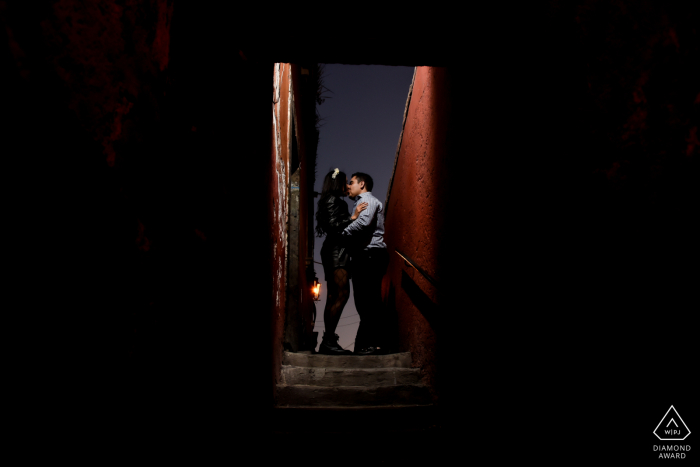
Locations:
column 417, row 268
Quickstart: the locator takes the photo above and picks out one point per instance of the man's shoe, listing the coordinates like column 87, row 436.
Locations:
column 368, row 351
column 329, row 346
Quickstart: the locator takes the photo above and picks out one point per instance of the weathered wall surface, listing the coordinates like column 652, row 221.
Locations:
column 279, row 186
column 418, row 219
column 635, row 140
column 639, row 102
column 293, row 119
column 142, row 126
column 626, row 122
column 108, row 58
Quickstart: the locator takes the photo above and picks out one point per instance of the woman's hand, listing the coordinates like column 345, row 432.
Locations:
column 360, row 207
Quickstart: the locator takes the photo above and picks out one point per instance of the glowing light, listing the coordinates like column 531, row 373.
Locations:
column 316, row 289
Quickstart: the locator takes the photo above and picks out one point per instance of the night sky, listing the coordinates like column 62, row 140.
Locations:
column 360, row 130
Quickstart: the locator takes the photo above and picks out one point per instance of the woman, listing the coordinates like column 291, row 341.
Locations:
column 331, row 218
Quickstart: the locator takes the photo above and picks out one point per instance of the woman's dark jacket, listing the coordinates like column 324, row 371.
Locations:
column 333, row 217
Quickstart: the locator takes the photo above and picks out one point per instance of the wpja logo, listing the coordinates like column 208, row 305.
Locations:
column 671, row 428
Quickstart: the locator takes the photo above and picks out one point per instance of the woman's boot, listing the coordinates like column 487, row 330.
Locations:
column 329, row 346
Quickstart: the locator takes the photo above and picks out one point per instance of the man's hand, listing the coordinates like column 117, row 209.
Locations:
column 360, row 207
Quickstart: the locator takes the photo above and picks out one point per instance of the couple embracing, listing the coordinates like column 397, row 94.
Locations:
column 354, row 248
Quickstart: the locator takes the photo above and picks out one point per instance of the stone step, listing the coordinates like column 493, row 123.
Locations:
column 323, row 421
column 316, row 376
column 395, row 360
column 352, row 396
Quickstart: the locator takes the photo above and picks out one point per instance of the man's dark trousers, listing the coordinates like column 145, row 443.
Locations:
column 368, row 269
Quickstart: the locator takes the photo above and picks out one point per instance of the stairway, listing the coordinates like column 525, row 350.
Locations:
column 343, row 394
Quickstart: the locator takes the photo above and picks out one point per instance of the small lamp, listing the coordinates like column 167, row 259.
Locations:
column 316, row 290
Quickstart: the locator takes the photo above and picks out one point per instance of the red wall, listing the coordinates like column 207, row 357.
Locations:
column 287, row 83
column 148, row 129
column 416, row 217
column 279, row 186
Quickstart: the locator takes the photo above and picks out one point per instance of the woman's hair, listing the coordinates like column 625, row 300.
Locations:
column 331, row 187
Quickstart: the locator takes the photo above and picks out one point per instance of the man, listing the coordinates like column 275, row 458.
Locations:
column 369, row 263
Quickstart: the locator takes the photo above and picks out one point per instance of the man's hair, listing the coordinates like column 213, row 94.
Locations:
column 363, row 177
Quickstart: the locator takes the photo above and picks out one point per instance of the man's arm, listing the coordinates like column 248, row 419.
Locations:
column 364, row 221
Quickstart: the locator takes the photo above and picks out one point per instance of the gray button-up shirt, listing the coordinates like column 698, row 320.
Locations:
column 368, row 228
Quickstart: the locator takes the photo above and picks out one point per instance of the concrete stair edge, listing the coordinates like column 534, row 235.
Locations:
column 337, row 377
column 367, row 408
column 397, row 360
column 280, row 385
column 379, row 368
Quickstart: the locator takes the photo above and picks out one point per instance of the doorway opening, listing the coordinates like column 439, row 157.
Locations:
column 361, row 121
column 396, row 129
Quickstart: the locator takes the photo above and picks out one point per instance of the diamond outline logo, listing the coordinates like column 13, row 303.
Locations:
column 679, row 418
